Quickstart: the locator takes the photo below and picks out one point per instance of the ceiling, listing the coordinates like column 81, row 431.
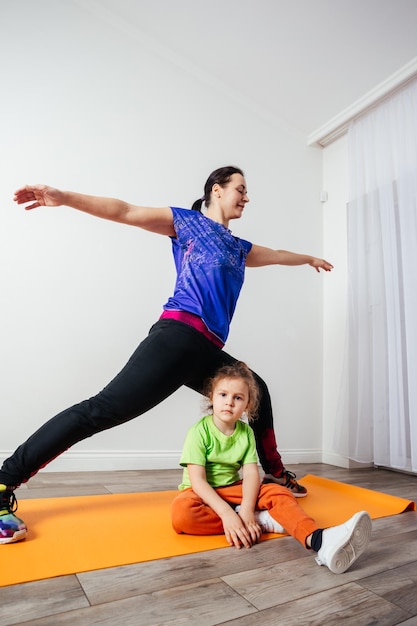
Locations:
column 301, row 61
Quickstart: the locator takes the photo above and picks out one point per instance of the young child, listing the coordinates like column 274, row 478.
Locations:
column 214, row 499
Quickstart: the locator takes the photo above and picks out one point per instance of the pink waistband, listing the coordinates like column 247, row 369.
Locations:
column 195, row 321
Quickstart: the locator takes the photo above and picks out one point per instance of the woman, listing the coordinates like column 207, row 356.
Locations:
column 184, row 347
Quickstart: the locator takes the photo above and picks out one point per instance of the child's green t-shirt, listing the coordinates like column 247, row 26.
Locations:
column 220, row 454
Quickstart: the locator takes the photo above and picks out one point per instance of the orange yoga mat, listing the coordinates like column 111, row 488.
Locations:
column 79, row 534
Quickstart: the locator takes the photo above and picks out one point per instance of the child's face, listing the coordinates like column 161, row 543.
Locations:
column 230, row 399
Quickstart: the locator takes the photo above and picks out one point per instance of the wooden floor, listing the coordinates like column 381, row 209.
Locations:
column 273, row 583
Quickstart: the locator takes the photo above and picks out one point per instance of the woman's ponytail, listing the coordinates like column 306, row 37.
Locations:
column 197, row 205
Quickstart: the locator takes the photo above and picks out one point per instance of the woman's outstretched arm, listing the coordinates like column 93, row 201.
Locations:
column 157, row 220
column 260, row 256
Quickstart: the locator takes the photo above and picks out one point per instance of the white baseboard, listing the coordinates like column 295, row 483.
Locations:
column 294, row 457
column 119, row 460
column 111, row 460
column 331, row 458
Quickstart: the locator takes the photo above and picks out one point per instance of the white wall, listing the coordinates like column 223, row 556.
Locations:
column 335, row 291
column 87, row 106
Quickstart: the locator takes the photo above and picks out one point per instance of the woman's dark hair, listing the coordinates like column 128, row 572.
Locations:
column 221, row 176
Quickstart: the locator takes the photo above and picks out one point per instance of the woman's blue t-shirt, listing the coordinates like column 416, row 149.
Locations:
column 210, row 264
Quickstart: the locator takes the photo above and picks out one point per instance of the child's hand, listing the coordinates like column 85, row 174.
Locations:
column 236, row 532
column 251, row 524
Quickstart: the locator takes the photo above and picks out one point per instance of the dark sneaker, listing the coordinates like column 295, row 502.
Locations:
column 12, row 528
column 287, row 479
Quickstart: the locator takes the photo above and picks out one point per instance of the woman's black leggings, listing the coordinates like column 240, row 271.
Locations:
column 172, row 355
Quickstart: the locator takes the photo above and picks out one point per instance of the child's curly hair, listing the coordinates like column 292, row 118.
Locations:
column 237, row 370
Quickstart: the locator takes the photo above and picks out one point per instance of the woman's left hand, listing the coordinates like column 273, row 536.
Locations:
column 321, row 264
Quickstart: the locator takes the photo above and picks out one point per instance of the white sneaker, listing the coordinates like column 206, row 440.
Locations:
column 343, row 544
column 266, row 521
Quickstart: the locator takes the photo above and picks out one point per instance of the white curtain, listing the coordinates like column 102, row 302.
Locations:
column 379, row 411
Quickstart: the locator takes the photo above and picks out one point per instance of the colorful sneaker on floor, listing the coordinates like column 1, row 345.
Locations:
column 12, row 528
column 287, row 479
column 343, row 544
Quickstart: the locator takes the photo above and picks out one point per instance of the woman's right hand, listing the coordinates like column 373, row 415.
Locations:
column 38, row 195
column 157, row 220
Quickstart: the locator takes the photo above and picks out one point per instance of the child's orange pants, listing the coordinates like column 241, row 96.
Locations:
column 191, row 516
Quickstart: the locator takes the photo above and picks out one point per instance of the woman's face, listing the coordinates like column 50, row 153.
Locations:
column 233, row 197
